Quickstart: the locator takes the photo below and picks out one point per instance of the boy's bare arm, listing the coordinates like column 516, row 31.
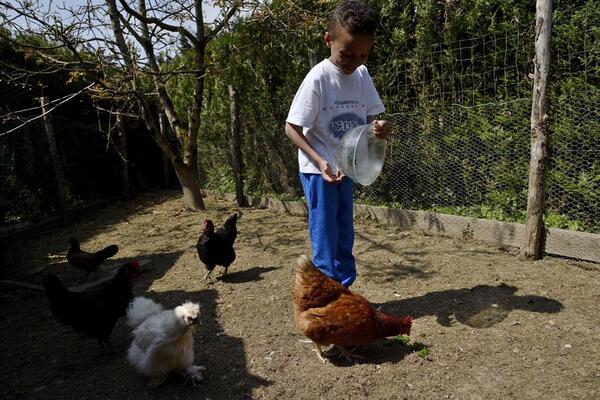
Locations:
column 294, row 132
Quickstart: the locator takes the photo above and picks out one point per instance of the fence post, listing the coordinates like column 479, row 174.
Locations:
column 62, row 185
column 533, row 243
column 236, row 152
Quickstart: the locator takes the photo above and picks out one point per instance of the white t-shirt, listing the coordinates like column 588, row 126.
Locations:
column 329, row 103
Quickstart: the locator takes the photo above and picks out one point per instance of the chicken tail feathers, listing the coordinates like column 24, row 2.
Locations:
column 57, row 296
column 232, row 220
column 312, row 288
column 305, row 265
column 140, row 309
column 229, row 229
column 108, row 252
column 53, row 284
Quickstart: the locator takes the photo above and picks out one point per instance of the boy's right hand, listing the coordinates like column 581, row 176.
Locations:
column 328, row 175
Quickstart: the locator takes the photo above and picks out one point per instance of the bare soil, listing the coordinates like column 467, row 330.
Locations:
column 496, row 327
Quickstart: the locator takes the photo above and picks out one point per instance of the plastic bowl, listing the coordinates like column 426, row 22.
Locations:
column 361, row 154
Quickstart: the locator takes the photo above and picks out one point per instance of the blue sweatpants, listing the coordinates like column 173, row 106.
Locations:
column 330, row 226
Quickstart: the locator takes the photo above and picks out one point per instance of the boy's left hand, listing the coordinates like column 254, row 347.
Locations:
column 381, row 128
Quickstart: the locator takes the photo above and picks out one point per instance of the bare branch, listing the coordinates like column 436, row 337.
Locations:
column 47, row 112
column 124, row 114
column 152, row 20
column 221, row 24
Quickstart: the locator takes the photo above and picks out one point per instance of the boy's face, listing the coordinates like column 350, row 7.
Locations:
column 348, row 52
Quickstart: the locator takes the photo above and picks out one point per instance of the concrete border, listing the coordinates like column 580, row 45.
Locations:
column 560, row 242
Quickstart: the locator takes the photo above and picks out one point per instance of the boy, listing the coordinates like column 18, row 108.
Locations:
column 336, row 95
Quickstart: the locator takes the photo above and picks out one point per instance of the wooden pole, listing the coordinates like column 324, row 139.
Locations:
column 533, row 243
column 61, row 182
column 235, row 144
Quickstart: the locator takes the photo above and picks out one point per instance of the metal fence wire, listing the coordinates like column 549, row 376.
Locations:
column 474, row 161
column 459, row 160
column 463, row 147
column 573, row 184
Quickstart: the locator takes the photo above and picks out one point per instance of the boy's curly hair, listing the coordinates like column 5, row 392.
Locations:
column 355, row 16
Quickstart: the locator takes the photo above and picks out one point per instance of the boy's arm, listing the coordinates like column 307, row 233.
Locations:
column 294, row 132
column 381, row 128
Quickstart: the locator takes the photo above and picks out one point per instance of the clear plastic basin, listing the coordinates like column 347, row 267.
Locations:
column 361, row 154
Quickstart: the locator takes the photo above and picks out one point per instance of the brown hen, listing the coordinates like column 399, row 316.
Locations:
column 330, row 314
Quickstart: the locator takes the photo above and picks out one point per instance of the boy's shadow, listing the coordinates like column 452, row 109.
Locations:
column 479, row 307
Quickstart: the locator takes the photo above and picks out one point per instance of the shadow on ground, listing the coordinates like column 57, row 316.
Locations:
column 249, row 275
column 481, row 306
column 224, row 356
column 70, row 365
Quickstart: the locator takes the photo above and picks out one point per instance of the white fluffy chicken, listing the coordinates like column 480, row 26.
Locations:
column 163, row 340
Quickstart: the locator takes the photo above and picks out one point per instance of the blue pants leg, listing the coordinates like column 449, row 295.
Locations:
column 330, row 226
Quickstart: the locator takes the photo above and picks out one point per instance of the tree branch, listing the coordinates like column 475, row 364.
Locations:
column 153, row 20
column 221, row 24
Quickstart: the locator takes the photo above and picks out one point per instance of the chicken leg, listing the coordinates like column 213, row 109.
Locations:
column 206, row 276
column 347, row 354
column 193, row 373
column 336, row 351
column 319, row 352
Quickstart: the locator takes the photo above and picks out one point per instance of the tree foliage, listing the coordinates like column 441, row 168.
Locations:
column 461, row 69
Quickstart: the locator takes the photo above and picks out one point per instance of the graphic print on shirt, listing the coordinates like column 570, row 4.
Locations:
column 340, row 124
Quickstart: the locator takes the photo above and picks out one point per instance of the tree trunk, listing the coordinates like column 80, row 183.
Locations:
column 122, row 143
column 166, row 172
column 162, row 120
column 533, row 244
column 188, row 177
column 235, row 147
column 62, row 186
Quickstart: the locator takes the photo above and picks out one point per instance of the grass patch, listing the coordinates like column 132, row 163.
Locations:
column 416, row 347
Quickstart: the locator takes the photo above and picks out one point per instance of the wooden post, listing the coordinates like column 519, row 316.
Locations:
column 122, row 143
column 235, row 144
column 533, row 243
column 61, row 182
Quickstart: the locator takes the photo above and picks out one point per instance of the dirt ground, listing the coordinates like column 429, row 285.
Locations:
column 496, row 327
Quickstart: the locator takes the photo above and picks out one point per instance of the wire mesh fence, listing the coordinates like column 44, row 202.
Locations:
column 573, row 186
column 474, row 162
column 466, row 71
column 460, row 138
column 463, row 160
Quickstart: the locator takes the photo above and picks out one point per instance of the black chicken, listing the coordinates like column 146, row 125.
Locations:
column 94, row 311
column 89, row 262
column 216, row 248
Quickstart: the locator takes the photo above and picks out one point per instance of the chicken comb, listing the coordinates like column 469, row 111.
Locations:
column 408, row 320
column 135, row 264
